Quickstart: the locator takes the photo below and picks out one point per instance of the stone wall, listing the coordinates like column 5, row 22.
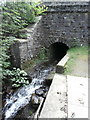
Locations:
column 65, row 22
column 25, row 49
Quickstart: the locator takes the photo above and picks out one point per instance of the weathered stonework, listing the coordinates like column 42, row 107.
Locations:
column 25, row 49
column 65, row 22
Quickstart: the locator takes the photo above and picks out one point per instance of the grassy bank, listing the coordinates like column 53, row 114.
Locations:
column 76, row 53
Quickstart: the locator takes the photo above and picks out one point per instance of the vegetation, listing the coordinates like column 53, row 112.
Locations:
column 15, row 75
column 74, row 53
column 19, row 15
column 18, row 77
column 16, row 16
column 4, row 55
column 30, row 112
column 42, row 56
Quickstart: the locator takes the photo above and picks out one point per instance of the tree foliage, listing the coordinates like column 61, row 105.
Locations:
column 19, row 15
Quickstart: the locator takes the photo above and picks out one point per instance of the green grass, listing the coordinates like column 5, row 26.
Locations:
column 74, row 53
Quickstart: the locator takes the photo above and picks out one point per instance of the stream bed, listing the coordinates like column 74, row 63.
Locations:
column 23, row 96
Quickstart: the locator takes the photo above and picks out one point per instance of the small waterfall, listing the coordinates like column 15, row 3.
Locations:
column 22, row 97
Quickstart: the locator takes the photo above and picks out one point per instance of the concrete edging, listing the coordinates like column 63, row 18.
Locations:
column 38, row 110
column 59, row 69
column 61, row 65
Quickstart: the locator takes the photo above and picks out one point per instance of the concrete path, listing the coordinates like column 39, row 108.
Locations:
column 67, row 98
column 77, row 97
column 55, row 105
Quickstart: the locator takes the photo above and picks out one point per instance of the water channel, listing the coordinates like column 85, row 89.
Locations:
column 23, row 95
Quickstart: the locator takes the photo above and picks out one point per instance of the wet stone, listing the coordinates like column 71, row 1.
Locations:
column 26, row 113
column 48, row 79
column 46, row 89
column 39, row 92
column 47, row 82
column 35, row 100
column 45, row 94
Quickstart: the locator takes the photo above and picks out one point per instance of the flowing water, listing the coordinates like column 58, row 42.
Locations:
column 22, row 97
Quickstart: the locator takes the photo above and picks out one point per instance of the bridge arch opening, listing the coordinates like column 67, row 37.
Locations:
column 57, row 51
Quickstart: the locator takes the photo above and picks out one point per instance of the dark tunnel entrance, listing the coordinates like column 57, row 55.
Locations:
column 57, row 51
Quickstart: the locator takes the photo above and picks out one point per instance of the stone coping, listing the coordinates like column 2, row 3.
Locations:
column 21, row 40
column 73, row 2
column 67, row 6
column 65, row 0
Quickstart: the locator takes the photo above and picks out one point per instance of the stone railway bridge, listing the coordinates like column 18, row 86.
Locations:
column 64, row 25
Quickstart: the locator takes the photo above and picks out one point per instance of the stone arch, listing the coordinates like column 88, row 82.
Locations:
column 57, row 51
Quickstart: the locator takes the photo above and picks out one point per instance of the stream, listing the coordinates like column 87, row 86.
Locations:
column 23, row 95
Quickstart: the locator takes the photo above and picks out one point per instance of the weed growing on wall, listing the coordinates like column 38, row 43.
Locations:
column 41, row 57
column 42, row 54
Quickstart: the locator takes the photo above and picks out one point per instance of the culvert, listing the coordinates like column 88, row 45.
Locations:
column 57, row 51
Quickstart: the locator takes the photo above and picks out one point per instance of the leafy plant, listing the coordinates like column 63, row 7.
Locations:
column 18, row 77
column 39, row 8
column 4, row 56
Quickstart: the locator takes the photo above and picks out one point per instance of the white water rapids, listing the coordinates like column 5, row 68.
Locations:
column 22, row 97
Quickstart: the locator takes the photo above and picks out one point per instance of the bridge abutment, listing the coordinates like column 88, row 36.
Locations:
column 65, row 22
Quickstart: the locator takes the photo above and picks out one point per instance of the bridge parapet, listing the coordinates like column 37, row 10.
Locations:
column 67, row 6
